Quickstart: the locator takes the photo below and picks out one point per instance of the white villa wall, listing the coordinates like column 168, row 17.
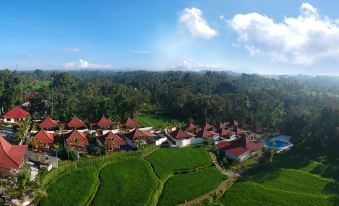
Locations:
column 160, row 141
column 192, row 140
column 9, row 120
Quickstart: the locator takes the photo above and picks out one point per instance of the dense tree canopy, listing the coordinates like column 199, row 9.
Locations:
column 304, row 107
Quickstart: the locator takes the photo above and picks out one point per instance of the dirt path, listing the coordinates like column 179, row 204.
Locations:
column 221, row 189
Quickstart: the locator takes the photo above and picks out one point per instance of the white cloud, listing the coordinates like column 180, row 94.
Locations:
column 83, row 64
column 305, row 39
column 138, row 51
column 69, row 50
column 192, row 19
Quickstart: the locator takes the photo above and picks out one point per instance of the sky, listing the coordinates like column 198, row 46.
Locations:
column 251, row 36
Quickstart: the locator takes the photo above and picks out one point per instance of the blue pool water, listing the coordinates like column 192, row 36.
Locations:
column 275, row 144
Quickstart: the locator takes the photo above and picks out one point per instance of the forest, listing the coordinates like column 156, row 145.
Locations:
column 304, row 107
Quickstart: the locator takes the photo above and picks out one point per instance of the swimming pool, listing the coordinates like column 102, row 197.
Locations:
column 277, row 144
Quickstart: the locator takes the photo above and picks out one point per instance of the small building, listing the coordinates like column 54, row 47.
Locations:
column 183, row 138
column 209, row 127
column 77, row 140
column 140, row 134
column 11, row 157
column 112, row 142
column 192, row 128
column 75, row 123
column 129, row 123
column 207, row 133
column 43, row 139
column 48, row 124
column 240, row 149
column 104, row 122
column 15, row 115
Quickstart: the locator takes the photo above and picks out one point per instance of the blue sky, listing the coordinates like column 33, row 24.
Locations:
column 254, row 36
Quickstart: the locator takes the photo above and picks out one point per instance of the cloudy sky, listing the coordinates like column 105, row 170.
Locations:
column 253, row 36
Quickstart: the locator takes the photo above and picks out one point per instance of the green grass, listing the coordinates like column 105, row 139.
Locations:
column 166, row 161
column 129, row 183
column 2, row 201
column 149, row 120
column 74, row 188
column 288, row 182
column 190, row 186
column 250, row 193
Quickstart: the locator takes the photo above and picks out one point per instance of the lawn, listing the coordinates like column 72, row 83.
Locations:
column 190, row 186
column 288, row 182
column 149, row 120
column 74, row 188
column 166, row 161
column 129, row 183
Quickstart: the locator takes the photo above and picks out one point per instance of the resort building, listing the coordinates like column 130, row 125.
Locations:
column 11, row 157
column 45, row 137
column 112, row 142
column 15, row 115
column 129, row 123
column 183, row 138
column 75, row 123
column 240, row 149
column 77, row 140
column 103, row 123
column 48, row 124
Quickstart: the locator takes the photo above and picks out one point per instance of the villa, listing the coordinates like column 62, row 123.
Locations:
column 112, row 142
column 75, row 123
column 44, row 137
column 48, row 124
column 77, row 140
column 11, row 157
column 15, row 115
column 240, row 149
column 129, row 123
column 102, row 123
column 183, row 138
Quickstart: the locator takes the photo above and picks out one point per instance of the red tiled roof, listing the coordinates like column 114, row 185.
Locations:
column 239, row 131
column 135, row 134
column 48, row 123
column 222, row 126
column 75, row 123
column 11, row 156
column 104, row 122
column 181, row 134
column 82, row 139
column 130, row 123
column 235, row 123
column 16, row 112
column 205, row 133
column 116, row 139
column 209, row 127
column 239, row 146
column 45, row 137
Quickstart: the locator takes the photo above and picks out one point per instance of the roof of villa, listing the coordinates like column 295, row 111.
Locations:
column 192, row 126
column 11, row 156
column 104, row 122
column 224, row 132
column 130, row 123
column 82, row 139
column 16, row 112
column 205, row 133
column 181, row 134
column 45, row 137
column 239, row 146
column 48, row 123
column 137, row 133
column 116, row 139
column 75, row 123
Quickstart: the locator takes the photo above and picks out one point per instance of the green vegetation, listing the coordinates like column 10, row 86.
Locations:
column 250, row 193
column 2, row 201
column 127, row 183
column 185, row 187
column 288, row 181
column 74, row 188
column 151, row 120
column 166, row 161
